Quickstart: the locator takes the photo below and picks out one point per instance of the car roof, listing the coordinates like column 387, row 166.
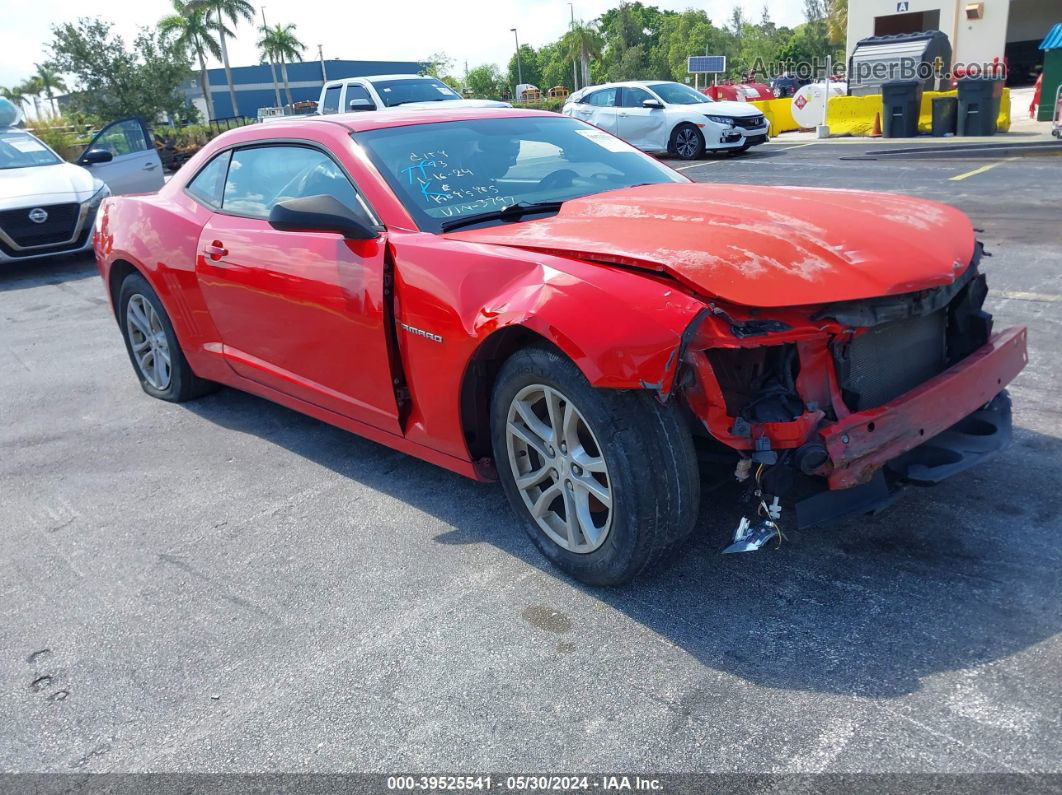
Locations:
column 377, row 120
column 381, row 77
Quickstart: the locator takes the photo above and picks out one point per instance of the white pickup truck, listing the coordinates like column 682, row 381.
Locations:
column 376, row 92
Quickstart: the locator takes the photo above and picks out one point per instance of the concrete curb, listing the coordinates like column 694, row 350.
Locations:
column 987, row 150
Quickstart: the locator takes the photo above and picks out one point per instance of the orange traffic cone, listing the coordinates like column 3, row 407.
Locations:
column 875, row 131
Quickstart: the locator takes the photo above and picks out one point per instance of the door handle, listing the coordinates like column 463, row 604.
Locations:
column 150, row 167
column 215, row 250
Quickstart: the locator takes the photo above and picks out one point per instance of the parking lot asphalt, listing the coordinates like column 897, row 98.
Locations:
column 226, row 585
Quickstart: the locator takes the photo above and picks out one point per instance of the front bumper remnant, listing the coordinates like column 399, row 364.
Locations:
column 861, row 444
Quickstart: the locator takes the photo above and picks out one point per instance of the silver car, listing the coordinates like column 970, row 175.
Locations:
column 47, row 206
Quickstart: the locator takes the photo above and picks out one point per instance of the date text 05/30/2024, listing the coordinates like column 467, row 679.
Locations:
column 486, row 783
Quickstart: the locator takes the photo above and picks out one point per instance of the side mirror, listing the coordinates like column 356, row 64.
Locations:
column 361, row 104
column 321, row 214
column 652, row 103
column 94, row 156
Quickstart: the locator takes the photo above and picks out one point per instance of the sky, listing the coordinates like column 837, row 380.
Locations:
column 475, row 31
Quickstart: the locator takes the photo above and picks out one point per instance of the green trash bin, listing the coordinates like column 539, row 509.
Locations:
column 901, row 102
column 979, row 105
column 945, row 115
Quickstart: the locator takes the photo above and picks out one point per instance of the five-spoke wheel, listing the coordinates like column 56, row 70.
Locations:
column 605, row 480
column 560, row 472
column 147, row 338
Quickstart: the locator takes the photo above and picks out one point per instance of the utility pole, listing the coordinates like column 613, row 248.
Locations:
column 324, row 72
column 575, row 62
column 519, row 68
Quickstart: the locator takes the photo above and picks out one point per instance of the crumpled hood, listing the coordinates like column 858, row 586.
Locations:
column 36, row 185
column 758, row 246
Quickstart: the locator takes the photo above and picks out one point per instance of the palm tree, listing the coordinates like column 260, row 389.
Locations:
column 282, row 45
column 217, row 12
column 52, row 81
column 265, row 49
column 33, row 87
column 582, row 43
column 189, row 27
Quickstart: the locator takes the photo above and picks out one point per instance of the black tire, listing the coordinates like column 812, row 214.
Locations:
column 651, row 464
column 678, row 144
column 182, row 384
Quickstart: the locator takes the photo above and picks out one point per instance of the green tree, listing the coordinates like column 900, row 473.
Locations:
column 554, row 68
column 486, row 82
column 685, row 34
column 583, row 43
column 837, row 22
column 114, row 81
column 631, row 31
column 528, row 65
column 438, row 64
column 283, row 46
column 188, row 27
column 218, row 11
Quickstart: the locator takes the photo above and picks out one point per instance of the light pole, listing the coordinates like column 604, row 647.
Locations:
column 519, row 68
column 575, row 62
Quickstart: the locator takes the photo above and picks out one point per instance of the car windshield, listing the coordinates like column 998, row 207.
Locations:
column 22, row 150
column 678, row 94
column 450, row 170
column 400, row 92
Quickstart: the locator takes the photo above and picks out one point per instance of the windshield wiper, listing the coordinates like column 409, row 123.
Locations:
column 511, row 211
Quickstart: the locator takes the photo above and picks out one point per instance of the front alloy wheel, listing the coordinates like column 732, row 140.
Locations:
column 688, row 143
column 604, row 481
column 559, row 469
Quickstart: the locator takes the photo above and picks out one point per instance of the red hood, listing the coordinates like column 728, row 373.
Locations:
column 759, row 246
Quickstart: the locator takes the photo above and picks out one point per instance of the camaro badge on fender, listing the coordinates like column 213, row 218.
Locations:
column 421, row 333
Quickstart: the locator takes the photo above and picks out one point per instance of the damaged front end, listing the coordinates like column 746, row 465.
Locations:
column 834, row 408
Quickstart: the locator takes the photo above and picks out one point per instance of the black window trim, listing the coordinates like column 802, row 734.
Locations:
column 268, row 142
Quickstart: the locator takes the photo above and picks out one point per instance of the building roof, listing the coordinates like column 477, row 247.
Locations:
column 1053, row 41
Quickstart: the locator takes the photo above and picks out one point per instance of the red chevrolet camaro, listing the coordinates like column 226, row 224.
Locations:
column 520, row 296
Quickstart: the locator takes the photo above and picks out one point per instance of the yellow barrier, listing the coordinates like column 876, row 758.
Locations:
column 855, row 115
column 779, row 113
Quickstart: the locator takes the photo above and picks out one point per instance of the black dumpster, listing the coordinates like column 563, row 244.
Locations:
column 901, row 101
column 945, row 115
column 978, row 105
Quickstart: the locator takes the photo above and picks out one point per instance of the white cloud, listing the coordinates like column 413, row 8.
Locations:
column 410, row 30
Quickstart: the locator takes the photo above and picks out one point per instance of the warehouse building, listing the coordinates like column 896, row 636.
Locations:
column 979, row 30
column 255, row 89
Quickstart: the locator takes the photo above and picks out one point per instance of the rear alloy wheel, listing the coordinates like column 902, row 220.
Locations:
column 605, row 480
column 687, row 142
column 153, row 349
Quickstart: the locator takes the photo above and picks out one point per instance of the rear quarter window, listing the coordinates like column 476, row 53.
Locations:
column 208, row 183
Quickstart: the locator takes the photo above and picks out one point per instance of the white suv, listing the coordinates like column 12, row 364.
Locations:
column 665, row 117
column 377, row 92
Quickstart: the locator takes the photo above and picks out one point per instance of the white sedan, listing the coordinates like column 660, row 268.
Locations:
column 672, row 118
column 47, row 206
